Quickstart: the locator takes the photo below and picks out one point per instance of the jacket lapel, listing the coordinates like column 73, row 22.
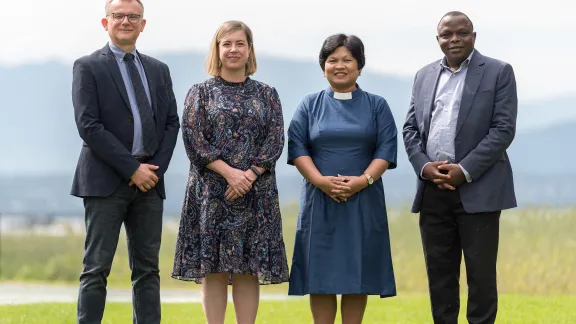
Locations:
column 430, row 85
column 150, row 77
column 112, row 65
column 471, row 84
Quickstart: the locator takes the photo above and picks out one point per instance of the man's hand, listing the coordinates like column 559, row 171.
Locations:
column 144, row 178
column 455, row 174
column 233, row 195
column 433, row 173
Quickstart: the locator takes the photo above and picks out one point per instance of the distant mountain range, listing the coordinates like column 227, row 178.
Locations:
column 40, row 143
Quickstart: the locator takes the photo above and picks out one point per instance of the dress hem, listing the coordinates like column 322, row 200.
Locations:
column 198, row 280
column 386, row 295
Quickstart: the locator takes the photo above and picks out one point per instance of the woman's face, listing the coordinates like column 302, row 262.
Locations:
column 234, row 51
column 341, row 69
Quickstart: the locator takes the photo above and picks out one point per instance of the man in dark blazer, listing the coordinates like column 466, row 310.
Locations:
column 126, row 115
column 461, row 120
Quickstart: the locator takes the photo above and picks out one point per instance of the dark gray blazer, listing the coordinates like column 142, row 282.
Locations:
column 105, row 122
column 485, row 128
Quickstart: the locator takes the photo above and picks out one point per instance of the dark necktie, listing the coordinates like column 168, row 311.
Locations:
column 150, row 141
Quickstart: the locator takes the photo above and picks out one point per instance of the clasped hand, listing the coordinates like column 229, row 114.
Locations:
column 341, row 188
column 452, row 177
column 144, row 178
column 239, row 183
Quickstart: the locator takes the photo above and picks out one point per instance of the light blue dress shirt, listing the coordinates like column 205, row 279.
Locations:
column 137, row 146
column 440, row 144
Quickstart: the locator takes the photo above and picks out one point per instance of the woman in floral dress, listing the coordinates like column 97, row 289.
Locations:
column 231, row 229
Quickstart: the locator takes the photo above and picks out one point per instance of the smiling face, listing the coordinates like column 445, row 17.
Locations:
column 341, row 70
column 124, row 22
column 234, row 51
column 456, row 38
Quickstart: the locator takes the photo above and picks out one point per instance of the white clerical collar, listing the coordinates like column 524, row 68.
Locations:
column 342, row 95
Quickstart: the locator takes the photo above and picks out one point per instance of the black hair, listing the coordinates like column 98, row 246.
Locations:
column 352, row 43
column 456, row 14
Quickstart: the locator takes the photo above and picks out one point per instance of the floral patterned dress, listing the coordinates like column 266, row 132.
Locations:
column 241, row 124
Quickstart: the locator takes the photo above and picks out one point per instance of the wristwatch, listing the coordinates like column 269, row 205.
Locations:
column 369, row 177
column 256, row 172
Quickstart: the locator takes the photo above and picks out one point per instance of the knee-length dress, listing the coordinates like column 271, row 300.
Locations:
column 342, row 248
column 241, row 124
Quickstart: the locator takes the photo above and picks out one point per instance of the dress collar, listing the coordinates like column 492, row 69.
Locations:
column 344, row 95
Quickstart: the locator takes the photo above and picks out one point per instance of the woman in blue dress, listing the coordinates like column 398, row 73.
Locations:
column 342, row 140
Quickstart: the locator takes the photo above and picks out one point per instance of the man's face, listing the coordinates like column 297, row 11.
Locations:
column 456, row 38
column 124, row 22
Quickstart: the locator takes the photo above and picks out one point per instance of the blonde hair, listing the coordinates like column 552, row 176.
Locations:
column 213, row 63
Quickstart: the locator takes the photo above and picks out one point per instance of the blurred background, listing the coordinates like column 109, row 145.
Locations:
column 41, row 225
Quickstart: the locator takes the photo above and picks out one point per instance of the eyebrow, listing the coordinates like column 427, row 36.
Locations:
column 335, row 57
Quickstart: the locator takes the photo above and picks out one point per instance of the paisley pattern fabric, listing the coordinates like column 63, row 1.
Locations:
column 241, row 124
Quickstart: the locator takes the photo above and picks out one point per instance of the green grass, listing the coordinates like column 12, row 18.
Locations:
column 405, row 309
column 536, row 254
column 536, row 271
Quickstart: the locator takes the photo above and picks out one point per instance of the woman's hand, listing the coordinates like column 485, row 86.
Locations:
column 238, row 183
column 330, row 185
column 356, row 184
column 232, row 194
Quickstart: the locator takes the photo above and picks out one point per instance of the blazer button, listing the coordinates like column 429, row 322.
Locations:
column 131, row 118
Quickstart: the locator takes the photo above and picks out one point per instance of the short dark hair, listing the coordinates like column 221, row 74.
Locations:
column 456, row 14
column 352, row 43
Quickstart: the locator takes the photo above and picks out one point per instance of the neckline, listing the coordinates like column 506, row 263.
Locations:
column 233, row 84
column 351, row 95
column 119, row 53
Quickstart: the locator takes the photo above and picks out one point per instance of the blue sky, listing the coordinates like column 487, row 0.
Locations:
column 398, row 35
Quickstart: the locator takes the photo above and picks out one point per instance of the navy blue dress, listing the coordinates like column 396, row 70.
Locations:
column 342, row 248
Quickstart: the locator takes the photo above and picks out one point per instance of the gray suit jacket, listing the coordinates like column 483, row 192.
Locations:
column 485, row 129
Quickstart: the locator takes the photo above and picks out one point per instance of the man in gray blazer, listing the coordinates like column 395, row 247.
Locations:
column 461, row 120
column 126, row 115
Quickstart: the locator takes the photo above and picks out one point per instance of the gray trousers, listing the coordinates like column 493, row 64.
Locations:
column 141, row 214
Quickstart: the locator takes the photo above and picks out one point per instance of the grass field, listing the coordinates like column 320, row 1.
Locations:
column 404, row 309
column 537, row 254
column 537, row 271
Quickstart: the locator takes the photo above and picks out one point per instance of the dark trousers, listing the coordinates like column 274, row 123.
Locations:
column 141, row 214
column 447, row 231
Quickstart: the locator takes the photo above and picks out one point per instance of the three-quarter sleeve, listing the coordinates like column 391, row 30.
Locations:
column 387, row 142
column 273, row 145
column 298, row 134
column 194, row 125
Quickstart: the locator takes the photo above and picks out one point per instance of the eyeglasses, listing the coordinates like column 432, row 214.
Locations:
column 118, row 17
